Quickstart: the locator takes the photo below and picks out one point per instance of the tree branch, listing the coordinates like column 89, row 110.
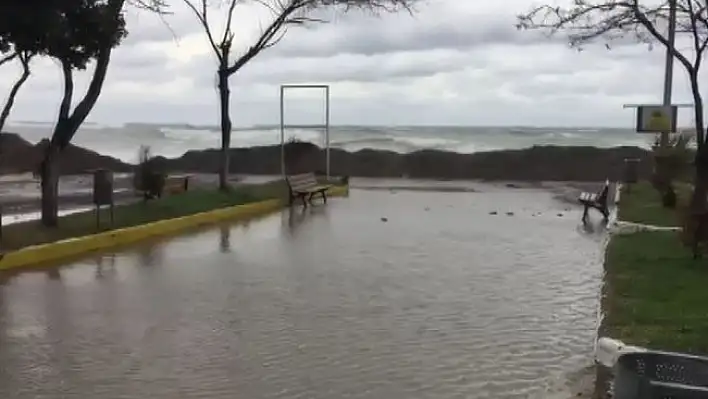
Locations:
column 203, row 18
column 8, row 58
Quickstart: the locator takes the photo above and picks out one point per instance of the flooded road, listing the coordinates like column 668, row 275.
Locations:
column 381, row 295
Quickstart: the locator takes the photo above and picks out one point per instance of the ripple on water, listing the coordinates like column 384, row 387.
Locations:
column 442, row 302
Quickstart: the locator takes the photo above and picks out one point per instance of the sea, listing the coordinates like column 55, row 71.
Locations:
column 173, row 140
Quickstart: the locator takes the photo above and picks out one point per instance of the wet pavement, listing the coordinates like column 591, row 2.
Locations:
column 386, row 294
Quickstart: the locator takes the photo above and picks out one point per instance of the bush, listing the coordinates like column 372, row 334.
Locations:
column 149, row 178
column 694, row 230
column 299, row 156
column 671, row 163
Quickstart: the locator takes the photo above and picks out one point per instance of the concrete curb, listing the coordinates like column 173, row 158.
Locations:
column 35, row 254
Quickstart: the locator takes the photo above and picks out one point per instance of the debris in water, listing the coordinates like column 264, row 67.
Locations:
column 384, row 219
column 510, row 214
column 493, row 213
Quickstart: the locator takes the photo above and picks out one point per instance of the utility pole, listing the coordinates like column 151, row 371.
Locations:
column 669, row 69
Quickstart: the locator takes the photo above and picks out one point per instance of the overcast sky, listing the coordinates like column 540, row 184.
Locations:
column 455, row 62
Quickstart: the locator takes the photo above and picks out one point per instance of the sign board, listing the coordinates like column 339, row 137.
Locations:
column 102, row 187
column 656, row 118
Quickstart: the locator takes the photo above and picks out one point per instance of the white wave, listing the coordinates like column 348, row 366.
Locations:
column 173, row 140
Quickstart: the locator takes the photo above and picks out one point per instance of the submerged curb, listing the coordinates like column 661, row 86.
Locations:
column 37, row 254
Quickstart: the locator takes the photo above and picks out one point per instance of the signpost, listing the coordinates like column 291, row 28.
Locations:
column 657, row 119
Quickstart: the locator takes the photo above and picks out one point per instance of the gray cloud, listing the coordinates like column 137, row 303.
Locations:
column 409, row 33
column 456, row 62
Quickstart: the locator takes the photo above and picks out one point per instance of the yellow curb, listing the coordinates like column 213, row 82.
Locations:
column 76, row 246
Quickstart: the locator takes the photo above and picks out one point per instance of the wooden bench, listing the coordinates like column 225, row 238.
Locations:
column 176, row 184
column 597, row 201
column 305, row 187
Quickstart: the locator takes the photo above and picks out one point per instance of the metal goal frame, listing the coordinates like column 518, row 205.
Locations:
column 283, row 126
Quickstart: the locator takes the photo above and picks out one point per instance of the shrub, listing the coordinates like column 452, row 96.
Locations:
column 149, row 178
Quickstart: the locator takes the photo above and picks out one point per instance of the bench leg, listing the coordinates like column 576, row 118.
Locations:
column 304, row 200
column 310, row 197
column 324, row 196
column 585, row 212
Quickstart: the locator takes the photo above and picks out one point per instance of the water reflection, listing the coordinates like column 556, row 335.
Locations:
column 151, row 254
column 53, row 273
column 295, row 217
column 225, row 239
column 105, row 265
column 323, row 303
column 596, row 228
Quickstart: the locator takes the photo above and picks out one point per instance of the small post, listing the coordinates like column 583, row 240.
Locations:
column 98, row 217
column 102, row 192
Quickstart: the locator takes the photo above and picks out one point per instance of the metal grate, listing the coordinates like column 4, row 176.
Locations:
column 661, row 375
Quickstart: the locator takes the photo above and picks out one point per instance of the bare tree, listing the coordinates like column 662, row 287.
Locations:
column 285, row 14
column 585, row 21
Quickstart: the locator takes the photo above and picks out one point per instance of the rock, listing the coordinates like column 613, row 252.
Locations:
column 493, row 213
column 384, row 219
column 510, row 214
column 560, row 215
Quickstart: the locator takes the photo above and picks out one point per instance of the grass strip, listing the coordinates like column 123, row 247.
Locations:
column 655, row 294
column 28, row 233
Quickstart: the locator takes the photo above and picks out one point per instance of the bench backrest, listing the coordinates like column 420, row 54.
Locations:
column 604, row 193
column 301, row 181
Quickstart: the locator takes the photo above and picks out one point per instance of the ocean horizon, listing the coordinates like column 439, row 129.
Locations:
column 122, row 141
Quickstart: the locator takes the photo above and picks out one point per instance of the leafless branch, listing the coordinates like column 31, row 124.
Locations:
column 8, row 58
column 228, row 36
column 203, row 18
column 157, row 6
column 285, row 13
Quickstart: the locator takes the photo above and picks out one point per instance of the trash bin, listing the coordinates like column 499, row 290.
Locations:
column 631, row 170
column 659, row 375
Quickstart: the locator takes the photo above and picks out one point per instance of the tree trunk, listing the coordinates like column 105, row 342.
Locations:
column 700, row 189
column 224, row 94
column 697, row 107
column 67, row 124
column 48, row 170
column 50, row 187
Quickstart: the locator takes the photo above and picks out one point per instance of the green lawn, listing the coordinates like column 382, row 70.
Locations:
column 80, row 224
column 655, row 294
column 641, row 203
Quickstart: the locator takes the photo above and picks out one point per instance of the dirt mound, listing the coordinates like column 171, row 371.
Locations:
column 17, row 155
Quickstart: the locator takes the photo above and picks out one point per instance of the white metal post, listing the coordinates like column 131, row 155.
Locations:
column 669, row 68
column 282, row 131
column 284, row 126
column 327, row 130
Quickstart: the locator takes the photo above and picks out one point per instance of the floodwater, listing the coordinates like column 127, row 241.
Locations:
column 405, row 294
